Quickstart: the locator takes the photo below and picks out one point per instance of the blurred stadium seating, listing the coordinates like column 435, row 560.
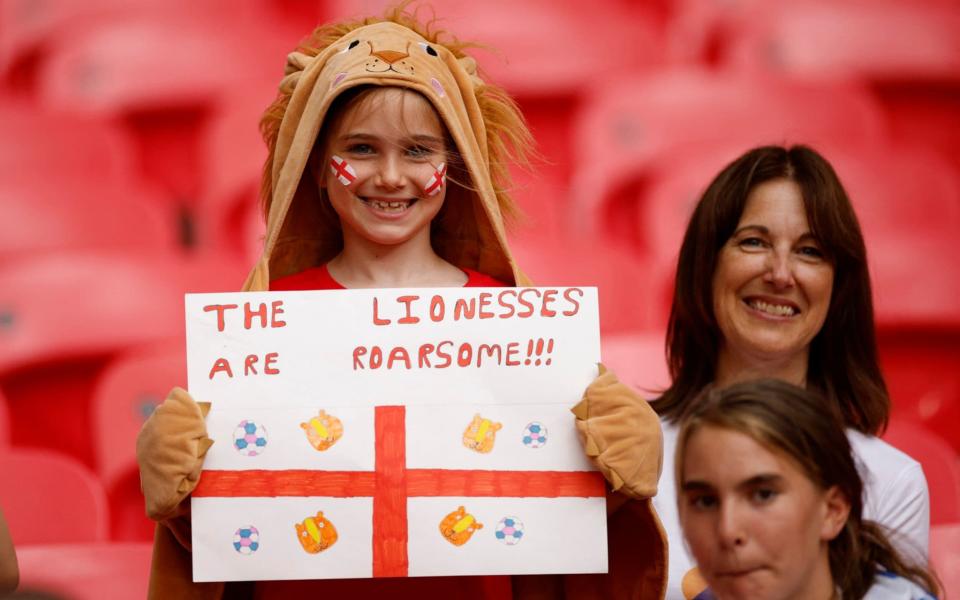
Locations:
column 639, row 360
column 4, row 422
column 50, row 498
column 945, row 556
column 130, row 163
column 127, row 391
column 939, row 463
column 58, row 329
column 69, row 213
column 86, row 571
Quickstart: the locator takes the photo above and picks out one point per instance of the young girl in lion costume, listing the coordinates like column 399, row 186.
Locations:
column 387, row 167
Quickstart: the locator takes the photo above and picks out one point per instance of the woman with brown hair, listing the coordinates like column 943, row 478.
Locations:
column 772, row 282
column 771, row 501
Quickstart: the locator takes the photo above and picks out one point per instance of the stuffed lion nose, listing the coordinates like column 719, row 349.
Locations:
column 390, row 56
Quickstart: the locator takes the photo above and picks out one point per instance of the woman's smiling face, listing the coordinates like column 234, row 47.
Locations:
column 772, row 283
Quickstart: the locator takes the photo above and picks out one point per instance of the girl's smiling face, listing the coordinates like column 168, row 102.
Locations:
column 385, row 166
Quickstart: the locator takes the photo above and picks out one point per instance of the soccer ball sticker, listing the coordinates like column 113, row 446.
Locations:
column 246, row 540
column 534, row 435
column 509, row 530
column 249, row 438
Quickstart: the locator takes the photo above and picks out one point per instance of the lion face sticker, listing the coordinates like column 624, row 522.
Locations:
column 480, row 434
column 316, row 534
column 323, row 430
column 459, row 526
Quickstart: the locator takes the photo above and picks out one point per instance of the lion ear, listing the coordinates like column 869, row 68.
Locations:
column 468, row 64
column 296, row 62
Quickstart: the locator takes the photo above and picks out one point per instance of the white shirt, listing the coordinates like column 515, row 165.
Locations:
column 887, row 586
column 894, row 487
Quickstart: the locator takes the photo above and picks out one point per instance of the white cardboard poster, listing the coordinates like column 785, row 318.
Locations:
column 392, row 433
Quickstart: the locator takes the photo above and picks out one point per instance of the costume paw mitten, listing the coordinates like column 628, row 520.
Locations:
column 170, row 451
column 621, row 434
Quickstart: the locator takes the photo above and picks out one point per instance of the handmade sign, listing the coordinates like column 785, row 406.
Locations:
column 392, row 433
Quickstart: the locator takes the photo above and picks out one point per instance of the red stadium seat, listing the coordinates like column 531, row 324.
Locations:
column 63, row 317
column 924, row 114
column 62, row 306
column 638, row 359
column 50, row 498
column 629, row 123
column 234, row 153
column 877, row 40
column 29, row 28
column 161, row 74
column 920, row 368
column 86, row 571
column 626, row 300
column 939, row 463
column 84, row 146
column 945, row 556
column 74, row 212
column 4, row 422
column 128, row 390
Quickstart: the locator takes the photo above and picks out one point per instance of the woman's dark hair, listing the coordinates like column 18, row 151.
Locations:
column 802, row 425
column 843, row 361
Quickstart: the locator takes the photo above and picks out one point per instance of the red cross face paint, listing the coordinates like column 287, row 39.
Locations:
column 436, row 181
column 342, row 170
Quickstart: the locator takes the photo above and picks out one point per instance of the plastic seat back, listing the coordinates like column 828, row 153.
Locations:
column 81, row 212
column 127, row 392
column 86, row 571
column 63, row 317
column 629, row 124
column 945, row 556
column 900, row 41
column 939, row 463
column 4, row 422
column 50, row 498
column 638, row 359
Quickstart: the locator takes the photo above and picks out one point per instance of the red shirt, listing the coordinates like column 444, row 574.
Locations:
column 421, row 588
column 318, row 278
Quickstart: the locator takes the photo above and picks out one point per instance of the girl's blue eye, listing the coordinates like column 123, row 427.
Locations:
column 360, row 148
column 419, row 151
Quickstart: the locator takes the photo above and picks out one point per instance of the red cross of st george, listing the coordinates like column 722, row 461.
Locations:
column 391, row 483
column 340, row 169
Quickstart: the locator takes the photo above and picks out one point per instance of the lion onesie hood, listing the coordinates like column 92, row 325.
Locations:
column 303, row 232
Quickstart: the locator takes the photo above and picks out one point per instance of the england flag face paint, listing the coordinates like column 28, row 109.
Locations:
column 436, row 181
column 344, row 173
